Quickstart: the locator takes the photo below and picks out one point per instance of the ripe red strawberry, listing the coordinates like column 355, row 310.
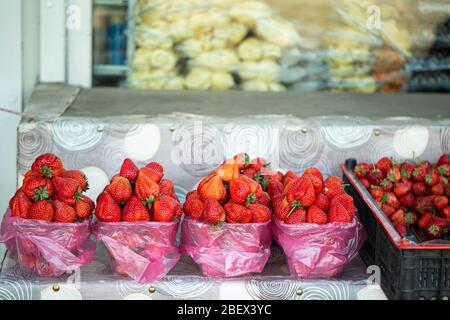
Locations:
column 107, row 209
column 63, row 212
column 401, row 229
column 447, row 190
column 443, row 159
column 20, row 205
column 403, row 187
column 407, row 200
column 419, row 173
column 424, row 204
column 424, row 220
column 438, row 189
column 156, row 166
column 213, row 212
column 250, row 172
column 79, row 176
column 166, row 187
column 332, row 189
column 212, row 186
column 297, row 216
column 246, row 217
column 228, row 171
column 41, row 210
column 375, row 176
column 338, row 213
column 387, row 185
column 394, row 173
column 322, row 201
column 316, row 215
column 129, row 170
column 346, row 201
column 390, row 199
column 146, row 188
column 444, row 170
column 407, row 169
column 234, row 212
column 119, row 189
column 387, row 209
column 48, row 165
column 260, row 213
column 255, row 187
column 365, row 182
column 433, row 231
column 317, row 183
column 410, row 218
column 258, row 163
column 289, row 175
column 264, row 199
column 332, row 180
column 315, row 172
column 376, row 192
column 242, row 160
column 301, row 190
column 37, row 188
column 239, row 190
column 274, row 188
column 153, row 174
column 419, row 189
column 193, row 206
column 398, row 217
column 384, row 164
column 362, row 170
column 84, row 207
column 66, row 188
column 432, row 178
column 440, row 202
column 281, row 206
column 445, row 212
column 134, row 211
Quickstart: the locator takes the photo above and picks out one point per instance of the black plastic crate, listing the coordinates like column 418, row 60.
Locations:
column 409, row 270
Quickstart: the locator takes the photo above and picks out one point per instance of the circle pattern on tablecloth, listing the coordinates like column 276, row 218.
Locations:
column 75, row 135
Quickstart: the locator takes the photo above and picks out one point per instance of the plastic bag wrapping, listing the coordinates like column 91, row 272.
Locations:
column 49, row 249
column 144, row 251
column 319, row 251
column 228, row 250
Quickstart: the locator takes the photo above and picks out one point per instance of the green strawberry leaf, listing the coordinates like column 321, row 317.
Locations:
column 384, row 198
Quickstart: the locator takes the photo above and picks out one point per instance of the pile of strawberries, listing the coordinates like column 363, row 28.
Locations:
column 310, row 199
column 411, row 193
column 51, row 193
column 138, row 195
column 233, row 193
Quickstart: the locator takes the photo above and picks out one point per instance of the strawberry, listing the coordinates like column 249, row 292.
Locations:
column 107, row 209
column 250, row 172
column 445, row 212
column 213, row 212
column 407, row 200
column 156, row 166
column 281, row 206
column 419, row 188
column 432, row 178
column 234, row 212
column 41, row 210
column 129, row 170
column 365, row 182
column 398, row 217
column 384, row 164
column 212, row 186
column 315, row 172
column 390, row 199
column 322, row 201
column 264, row 199
column 166, row 187
column 193, row 206
column 239, row 190
column 146, row 189
column 63, row 212
column 401, row 229
column 346, row 201
column 410, row 218
column 433, row 231
column 20, row 205
column 260, row 213
column 255, row 187
column 317, row 182
column 242, row 160
column 316, row 215
column 84, row 207
column 407, row 169
column 37, row 188
column 376, row 192
column 258, row 163
column 119, row 189
column 375, row 176
column 394, row 174
column 387, row 209
column 419, row 173
column 151, row 173
column 332, row 189
column 301, row 190
column 166, row 209
column 48, row 165
column 444, row 170
column 296, row 217
column 443, row 159
column 403, row 187
column 362, row 170
column 66, row 188
column 440, row 202
column 228, row 171
column 387, row 184
column 447, row 189
column 274, row 188
column 438, row 189
column 332, row 180
column 134, row 210
column 424, row 204
column 77, row 175
column 424, row 220
column 289, row 175
column 338, row 213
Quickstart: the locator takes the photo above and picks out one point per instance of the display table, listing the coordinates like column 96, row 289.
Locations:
column 96, row 281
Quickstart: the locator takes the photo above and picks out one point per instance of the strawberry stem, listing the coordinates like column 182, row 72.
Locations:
column 46, row 172
column 251, row 198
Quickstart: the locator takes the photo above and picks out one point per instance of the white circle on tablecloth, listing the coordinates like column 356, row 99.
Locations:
column 142, row 144
column 137, row 296
column 65, row 292
column 372, row 292
column 411, row 141
column 97, row 180
column 233, row 290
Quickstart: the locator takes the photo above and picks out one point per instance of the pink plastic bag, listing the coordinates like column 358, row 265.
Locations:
column 144, row 251
column 319, row 251
column 49, row 249
column 228, row 250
